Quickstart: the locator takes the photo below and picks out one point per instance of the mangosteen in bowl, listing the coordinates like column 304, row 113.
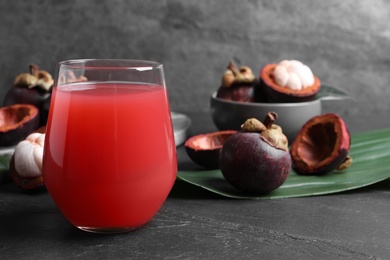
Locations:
column 287, row 81
column 237, row 84
column 229, row 115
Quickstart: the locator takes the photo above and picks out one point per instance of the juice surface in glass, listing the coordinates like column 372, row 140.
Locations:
column 110, row 156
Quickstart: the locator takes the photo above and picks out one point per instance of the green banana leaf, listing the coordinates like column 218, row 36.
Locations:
column 4, row 165
column 328, row 92
column 4, row 162
column 371, row 164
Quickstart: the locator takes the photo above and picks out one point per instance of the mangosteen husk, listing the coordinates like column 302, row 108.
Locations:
column 17, row 122
column 204, row 149
column 321, row 146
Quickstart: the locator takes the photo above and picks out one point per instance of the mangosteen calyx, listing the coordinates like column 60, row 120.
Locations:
column 36, row 78
column 234, row 75
column 269, row 132
column 345, row 165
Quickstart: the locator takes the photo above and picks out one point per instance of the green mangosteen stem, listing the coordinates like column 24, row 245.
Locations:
column 270, row 119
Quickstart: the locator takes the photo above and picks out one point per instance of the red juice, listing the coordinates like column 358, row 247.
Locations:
column 110, row 156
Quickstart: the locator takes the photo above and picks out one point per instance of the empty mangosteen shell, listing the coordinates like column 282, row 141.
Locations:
column 253, row 166
column 38, row 97
column 204, row 149
column 17, row 122
column 277, row 94
column 321, row 145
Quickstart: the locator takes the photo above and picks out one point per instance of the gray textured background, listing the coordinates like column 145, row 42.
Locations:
column 346, row 43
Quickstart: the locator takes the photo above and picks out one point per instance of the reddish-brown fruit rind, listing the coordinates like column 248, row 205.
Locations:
column 34, row 96
column 17, row 122
column 204, row 149
column 321, row 145
column 278, row 94
column 24, row 183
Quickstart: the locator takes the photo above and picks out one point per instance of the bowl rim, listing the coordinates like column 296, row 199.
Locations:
column 260, row 104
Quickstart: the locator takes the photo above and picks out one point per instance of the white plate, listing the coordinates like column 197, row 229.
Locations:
column 181, row 124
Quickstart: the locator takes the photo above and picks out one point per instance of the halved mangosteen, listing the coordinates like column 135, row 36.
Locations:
column 321, row 146
column 204, row 149
column 24, row 183
column 17, row 122
column 279, row 94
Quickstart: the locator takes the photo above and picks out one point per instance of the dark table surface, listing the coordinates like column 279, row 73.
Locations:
column 196, row 224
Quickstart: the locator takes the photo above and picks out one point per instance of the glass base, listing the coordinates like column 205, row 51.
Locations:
column 114, row 230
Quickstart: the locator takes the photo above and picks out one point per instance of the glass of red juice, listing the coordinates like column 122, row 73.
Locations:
column 110, row 156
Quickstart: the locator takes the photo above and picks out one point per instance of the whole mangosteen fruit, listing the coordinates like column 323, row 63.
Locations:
column 31, row 88
column 237, row 84
column 256, row 160
column 321, row 146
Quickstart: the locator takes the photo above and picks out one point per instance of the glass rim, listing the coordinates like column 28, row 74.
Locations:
column 111, row 64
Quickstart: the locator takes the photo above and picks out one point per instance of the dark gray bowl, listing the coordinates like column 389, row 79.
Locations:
column 229, row 115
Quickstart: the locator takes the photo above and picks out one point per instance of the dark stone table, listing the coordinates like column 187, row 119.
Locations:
column 196, row 224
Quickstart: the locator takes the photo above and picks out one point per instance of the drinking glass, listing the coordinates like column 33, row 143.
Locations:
column 110, row 156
